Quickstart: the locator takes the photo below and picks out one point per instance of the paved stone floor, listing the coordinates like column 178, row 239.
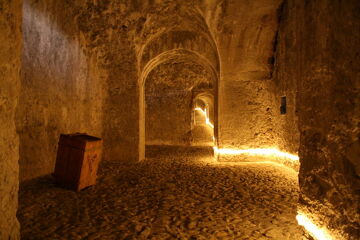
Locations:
column 173, row 195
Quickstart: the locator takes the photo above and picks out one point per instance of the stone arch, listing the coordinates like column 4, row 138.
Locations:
column 174, row 55
column 204, row 100
column 171, row 25
column 163, row 42
column 202, row 124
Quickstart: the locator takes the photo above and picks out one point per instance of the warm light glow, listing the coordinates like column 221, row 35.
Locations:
column 315, row 231
column 268, row 152
column 207, row 120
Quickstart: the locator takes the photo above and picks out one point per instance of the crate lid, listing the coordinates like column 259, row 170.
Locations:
column 83, row 137
column 80, row 140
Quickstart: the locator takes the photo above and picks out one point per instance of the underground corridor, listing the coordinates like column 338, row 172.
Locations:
column 171, row 119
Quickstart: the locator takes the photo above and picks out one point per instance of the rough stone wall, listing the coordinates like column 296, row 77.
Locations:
column 61, row 89
column 246, row 34
column 110, row 28
column 168, row 119
column 79, row 62
column 10, row 64
column 169, row 97
column 285, row 81
column 323, row 45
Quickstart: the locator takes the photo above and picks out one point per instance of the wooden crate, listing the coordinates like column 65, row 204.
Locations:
column 77, row 161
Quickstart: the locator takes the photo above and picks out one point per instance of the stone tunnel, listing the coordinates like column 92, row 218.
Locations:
column 219, row 119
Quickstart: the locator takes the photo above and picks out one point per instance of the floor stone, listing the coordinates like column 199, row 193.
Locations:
column 172, row 195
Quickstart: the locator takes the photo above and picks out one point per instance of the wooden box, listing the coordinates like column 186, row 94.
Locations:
column 77, row 161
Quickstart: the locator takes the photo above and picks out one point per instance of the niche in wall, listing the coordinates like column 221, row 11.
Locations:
column 283, row 105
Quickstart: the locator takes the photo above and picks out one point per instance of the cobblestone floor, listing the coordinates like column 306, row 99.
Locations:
column 173, row 195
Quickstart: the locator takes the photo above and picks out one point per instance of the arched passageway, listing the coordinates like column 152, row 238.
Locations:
column 169, row 93
column 203, row 119
column 170, row 85
column 185, row 45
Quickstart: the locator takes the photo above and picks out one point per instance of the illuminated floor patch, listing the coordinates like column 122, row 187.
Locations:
column 266, row 152
column 207, row 120
column 314, row 230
